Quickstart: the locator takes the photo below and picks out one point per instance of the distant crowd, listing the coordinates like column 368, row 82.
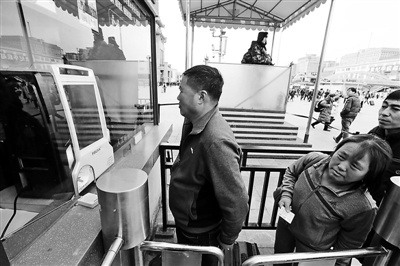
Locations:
column 306, row 94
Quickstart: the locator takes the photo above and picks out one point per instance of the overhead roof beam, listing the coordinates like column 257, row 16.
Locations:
column 206, row 11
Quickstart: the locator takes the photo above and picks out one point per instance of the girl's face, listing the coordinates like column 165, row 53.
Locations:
column 264, row 41
column 344, row 168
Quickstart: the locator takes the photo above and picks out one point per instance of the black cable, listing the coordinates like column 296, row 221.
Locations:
column 15, row 212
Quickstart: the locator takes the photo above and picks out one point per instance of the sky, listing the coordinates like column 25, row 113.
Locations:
column 354, row 25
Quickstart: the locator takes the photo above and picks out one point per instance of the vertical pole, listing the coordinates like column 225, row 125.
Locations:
column 191, row 50
column 25, row 31
column 153, row 71
column 273, row 42
column 187, row 63
column 220, row 46
column 307, row 134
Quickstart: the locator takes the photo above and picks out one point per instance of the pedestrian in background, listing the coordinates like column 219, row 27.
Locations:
column 349, row 112
column 208, row 197
column 335, row 110
column 325, row 114
column 329, row 197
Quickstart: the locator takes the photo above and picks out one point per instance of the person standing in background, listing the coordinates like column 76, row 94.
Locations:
column 325, row 114
column 349, row 112
column 334, row 111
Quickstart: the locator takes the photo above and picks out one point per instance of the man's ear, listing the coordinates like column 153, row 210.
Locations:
column 202, row 95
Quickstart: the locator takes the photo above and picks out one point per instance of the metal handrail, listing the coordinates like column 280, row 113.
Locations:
column 313, row 256
column 112, row 251
column 171, row 247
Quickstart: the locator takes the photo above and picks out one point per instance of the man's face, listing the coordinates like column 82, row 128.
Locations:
column 389, row 114
column 188, row 100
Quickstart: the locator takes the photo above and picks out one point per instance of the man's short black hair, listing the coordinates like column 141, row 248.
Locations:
column 354, row 90
column 394, row 95
column 203, row 77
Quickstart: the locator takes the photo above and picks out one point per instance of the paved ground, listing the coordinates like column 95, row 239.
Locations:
column 297, row 113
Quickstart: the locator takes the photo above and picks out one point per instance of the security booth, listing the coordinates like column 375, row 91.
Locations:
column 78, row 90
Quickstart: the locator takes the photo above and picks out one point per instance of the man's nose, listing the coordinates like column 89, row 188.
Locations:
column 385, row 111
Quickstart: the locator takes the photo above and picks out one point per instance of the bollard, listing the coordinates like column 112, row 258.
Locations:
column 124, row 212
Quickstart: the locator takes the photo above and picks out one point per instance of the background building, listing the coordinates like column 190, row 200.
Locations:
column 372, row 68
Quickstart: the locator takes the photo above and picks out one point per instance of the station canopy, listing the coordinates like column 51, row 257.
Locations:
column 248, row 14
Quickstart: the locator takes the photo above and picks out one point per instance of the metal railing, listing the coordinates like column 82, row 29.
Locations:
column 262, row 259
column 170, row 247
column 167, row 157
column 314, row 256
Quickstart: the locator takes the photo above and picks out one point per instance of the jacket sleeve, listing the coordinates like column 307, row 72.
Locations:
column 293, row 172
column 223, row 159
column 353, row 233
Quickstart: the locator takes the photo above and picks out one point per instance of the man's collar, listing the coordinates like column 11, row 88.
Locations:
column 393, row 131
column 202, row 121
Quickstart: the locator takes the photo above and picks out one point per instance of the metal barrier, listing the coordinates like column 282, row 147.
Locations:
column 124, row 214
column 167, row 158
column 314, row 256
column 170, row 247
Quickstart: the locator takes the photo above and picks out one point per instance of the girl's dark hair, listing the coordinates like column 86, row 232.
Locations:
column 260, row 38
column 379, row 152
column 203, row 77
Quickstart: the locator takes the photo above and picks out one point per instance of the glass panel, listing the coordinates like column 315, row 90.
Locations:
column 84, row 109
column 58, row 126
column 13, row 47
column 110, row 37
column 32, row 170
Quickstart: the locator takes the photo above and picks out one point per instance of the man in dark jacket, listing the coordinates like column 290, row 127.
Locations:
column 389, row 130
column 349, row 112
column 207, row 194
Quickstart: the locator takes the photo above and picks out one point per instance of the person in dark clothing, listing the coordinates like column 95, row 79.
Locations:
column 349, row 112
column 257, row 53
column 325, row 114
column 389, row 130
column 118, row 53
column 208, row 197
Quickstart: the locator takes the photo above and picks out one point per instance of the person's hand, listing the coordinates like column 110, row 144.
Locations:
column 285, row 202
column 223, row 246
column 227, row 250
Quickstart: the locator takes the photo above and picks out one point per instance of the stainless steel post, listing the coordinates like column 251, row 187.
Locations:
column 124, row 212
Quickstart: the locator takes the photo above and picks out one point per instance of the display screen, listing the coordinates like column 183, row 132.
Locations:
column 85, row 113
